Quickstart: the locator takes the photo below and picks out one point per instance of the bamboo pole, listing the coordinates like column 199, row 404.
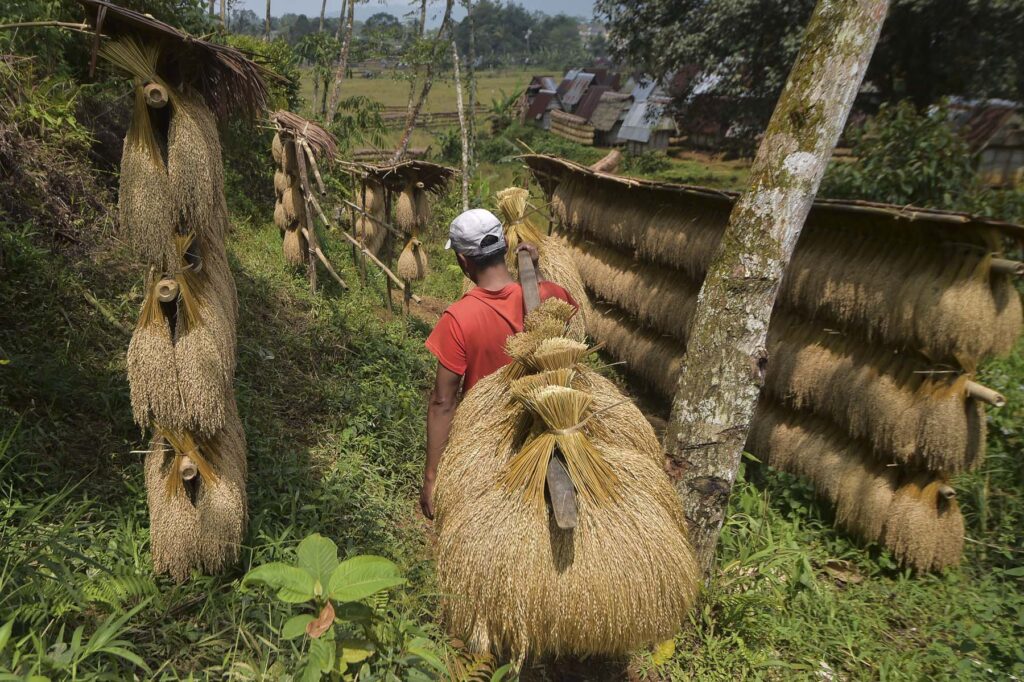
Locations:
column 1005, row 266
column 985, row 394
column 327, row 264
column 311, row 245
column 388, row 249
column 363, row 250
column 314, row 165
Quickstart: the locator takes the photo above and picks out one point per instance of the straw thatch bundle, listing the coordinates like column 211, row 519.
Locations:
column 412, row 262
column 516, row 583
column 282, row 182
column 518, row 225
column 656, row 358
column 905, row 290
column 661, row 298
column 658, row 230
column 924, row 528
column 294, row 247
column 197, row 524
column 893, row 400
column 371, row 232
column 914, row 519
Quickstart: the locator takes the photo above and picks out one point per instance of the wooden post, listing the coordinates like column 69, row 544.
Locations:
column 407, row 295
column 361, row 235
column 307, row 212
column 726, row 355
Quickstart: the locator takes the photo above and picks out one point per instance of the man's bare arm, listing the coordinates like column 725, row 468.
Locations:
column 440, row 411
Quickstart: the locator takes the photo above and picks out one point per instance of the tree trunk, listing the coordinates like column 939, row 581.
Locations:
column 464, row 133
column 428, row 83
column 471, row 78
column 341, row 20
column 224, row 13
column 266, row 24
column 726, row 356
column 213, row 7
column 339, row 75
column 323, row 11
column 411, row 103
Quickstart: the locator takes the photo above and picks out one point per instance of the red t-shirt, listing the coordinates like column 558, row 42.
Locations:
column 469, row 339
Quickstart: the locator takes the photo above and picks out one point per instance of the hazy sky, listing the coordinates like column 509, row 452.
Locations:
column 435, row 8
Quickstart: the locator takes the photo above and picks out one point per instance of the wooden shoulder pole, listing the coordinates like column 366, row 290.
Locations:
column 726, row 354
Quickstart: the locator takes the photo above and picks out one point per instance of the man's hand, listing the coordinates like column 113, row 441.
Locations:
column 532, row 250
column 427, row 498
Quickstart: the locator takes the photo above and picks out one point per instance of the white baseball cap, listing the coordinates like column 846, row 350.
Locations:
column 468, row 230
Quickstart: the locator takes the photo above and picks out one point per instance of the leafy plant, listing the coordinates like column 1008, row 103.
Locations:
column 502, row 111
column 345, row 632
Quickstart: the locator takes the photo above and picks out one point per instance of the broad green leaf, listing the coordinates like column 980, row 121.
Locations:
column 293, row 584
column 359, row 577
column 5, row 633
column 311, row 673
column 355, row 612
column 318, row 556
column 321, row 653
column 356, row 650
column 296, row 626
column 423, row 648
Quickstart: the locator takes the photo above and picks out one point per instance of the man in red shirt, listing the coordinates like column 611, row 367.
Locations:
column 469, row 339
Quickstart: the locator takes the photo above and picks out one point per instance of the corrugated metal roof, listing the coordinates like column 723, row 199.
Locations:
column 539, row 105
column 643, row 90
column 640, row 120
column 577, row 89
column 590, row 100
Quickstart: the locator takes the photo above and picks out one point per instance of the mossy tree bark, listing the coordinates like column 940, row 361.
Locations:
column 726, row 355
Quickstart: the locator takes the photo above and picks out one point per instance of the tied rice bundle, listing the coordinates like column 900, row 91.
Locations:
column 412, row 262
column 515, row 582
column 519, row 228
column 371, row 233
column 294, row 247
column 277, row 149
column 405, row 209
column 201, row 524
column 370, row 198
column 195, row 169
column 281, row 217
column 924, row 528
column 282, row 182
column 294, row 204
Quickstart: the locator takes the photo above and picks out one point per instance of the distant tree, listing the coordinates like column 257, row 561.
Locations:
column 319, row 51
column 928, row 48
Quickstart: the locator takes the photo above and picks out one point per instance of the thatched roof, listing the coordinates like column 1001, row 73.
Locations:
column 550, row 170
column 323, row 143
column 434, row 176
column 230, row 82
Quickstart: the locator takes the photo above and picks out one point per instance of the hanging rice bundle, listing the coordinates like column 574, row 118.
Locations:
column 294, row 247
column 514, row 582
column 294, row 204
column 1009, row 316
column 371, row 232
column 908, row 412
column 924, row 527
column 656, row 358
column 661, row 298
column 145, row 204
column 370, row 197
column 281, row 183
column 865, row 493
column 277, row 149
column 199, row 522
column 412, row 262
column 289, row 157
column 405, row 209
column 281, row 217
column 194, row 167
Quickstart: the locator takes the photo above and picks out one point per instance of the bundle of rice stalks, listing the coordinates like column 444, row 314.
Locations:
column 194, row 167
column 145, row 203
column 519, row 227
column 412, row 262
column 865, row 494
column 282, row 182
column 656, row 358
column 281, row 218
column 181, row 359
column 661, row 298
column 370, row 197
column 924, row 527
column 895, row 401
column 294, row 247
column 644, row 221
column 277, row 149
column 371, row 232
column 412, row 209
column 294, row 204
column 514, row 582
column 909, row 289
column 197, row 524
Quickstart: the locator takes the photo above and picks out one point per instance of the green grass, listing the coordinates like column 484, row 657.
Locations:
column 331, row 390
